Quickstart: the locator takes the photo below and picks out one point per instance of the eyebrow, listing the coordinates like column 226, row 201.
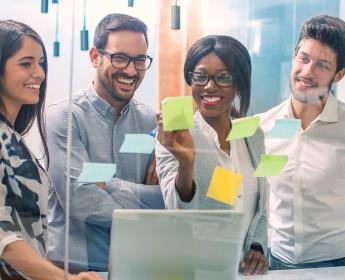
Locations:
column 319, row 60
column 29, row 57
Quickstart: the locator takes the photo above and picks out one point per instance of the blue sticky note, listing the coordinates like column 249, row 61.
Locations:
column 138, row 143
column 94, row 172
column 284, row 128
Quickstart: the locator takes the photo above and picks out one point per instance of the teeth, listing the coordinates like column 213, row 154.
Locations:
column 125, row 81
column 32, row 86
column 211, row 99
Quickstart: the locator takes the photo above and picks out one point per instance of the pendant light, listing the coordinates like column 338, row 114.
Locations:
column 44, row 6
column 84, row 33
column 56, row 44
column 175, row 16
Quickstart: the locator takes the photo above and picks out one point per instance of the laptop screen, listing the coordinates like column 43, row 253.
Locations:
column 175, row 244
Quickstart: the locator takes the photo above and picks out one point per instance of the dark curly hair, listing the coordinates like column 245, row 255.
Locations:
column 328, row 30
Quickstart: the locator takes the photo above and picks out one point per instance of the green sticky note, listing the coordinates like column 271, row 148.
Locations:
column 177, row 113
column 270, row 165
column 138, row 143
column 244, row 127
column 97, row 172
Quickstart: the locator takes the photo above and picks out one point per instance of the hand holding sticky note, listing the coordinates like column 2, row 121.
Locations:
column 270, row 165
column 244, row 127
column 224, row 185
column 97, row 172
column 177, row 113
column 138, row 143
column 284, row 128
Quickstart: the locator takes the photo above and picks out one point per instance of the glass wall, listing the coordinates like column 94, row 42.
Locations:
column 269, row 29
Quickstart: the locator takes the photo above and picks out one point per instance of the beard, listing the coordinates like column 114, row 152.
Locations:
column 109, row 88
column 312, row 95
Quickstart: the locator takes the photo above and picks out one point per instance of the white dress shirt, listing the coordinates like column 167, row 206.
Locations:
column 239, row 162
column 307, row 199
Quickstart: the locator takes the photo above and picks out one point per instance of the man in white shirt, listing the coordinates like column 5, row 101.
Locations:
column 307, row 224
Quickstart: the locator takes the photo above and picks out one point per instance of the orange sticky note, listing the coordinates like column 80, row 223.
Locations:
column 224, row 185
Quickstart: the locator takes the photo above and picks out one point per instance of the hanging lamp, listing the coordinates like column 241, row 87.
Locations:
column 175, row 16
column 44, row 6
column 56, row 44
column 84, row 33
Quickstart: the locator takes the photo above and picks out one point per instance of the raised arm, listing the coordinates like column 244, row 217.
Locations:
column 180, row 145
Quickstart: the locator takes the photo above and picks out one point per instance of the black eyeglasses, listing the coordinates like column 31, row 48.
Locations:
column 121, row 60
column 201, row 79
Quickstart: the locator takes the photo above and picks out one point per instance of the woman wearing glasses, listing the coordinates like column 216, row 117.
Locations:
column 218, row 68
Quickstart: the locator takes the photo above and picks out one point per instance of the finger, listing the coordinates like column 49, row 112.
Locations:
column 260, row 266
column 241, row 266
column 251, row 262
column 155, row 178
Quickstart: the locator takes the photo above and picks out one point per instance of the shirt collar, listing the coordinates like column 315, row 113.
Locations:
column 101, row 105
column 328, row 114
column 206, row 128
column 6, row 121
column 330, row 111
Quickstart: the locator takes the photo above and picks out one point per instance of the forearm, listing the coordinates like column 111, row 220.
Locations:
column 131, row 195
column 184, row 182
column 23, row 258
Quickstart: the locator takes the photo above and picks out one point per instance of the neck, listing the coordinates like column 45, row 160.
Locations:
column 118, row 105
column 222, row 126
column 307, row 112
column 9, row 110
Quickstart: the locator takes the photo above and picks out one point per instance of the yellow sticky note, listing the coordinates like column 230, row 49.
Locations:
column 270, row 165
column 224, row 185
column 244, row 127
column 177, row 113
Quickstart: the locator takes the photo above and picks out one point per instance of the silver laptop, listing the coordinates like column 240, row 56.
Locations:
column 175, row 244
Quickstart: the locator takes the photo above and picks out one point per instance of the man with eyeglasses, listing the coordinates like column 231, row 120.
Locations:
column 102, row 115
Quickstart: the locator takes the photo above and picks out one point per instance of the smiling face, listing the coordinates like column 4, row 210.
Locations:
column 117, row 86
column 22, row 77
column 213, row 101
column 313, row 71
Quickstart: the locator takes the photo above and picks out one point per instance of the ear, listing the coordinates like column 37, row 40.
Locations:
column 95, row 57
column 339, row 75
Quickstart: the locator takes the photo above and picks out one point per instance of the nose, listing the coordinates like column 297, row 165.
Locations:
column 38, row 72
column 308, row 69
column 211, row 84
column 130, row 69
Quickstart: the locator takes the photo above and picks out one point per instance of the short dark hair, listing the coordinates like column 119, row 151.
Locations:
column 234, row 55
column 328, row 30
column 12, row 34
column 117, row 22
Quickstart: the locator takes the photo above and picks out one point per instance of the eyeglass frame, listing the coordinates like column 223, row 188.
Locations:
column 209, row 77
column 130, row 59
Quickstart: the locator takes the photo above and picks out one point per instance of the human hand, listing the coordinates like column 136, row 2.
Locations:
column 179, row 142
column 86, row 276
column 254, row 263
column 101, row 185
column 151, row 175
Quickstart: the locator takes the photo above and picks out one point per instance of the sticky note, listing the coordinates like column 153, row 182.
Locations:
column 224, row 185
column 138, row 143
column 284, row 128
column 244, row 127
column 270, row 165
column 177, row 113
column 97, row 172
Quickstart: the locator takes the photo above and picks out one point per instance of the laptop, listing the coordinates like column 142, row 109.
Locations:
column 175, row 244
